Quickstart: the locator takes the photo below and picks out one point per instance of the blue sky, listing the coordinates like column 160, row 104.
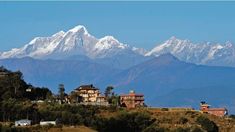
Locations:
column 140, row 24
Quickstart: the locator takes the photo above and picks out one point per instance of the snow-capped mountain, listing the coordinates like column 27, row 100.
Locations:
column 201, row 53
column 76, row 41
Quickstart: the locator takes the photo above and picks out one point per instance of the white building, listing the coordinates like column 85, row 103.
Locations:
column 43, row 123
column 23, row 122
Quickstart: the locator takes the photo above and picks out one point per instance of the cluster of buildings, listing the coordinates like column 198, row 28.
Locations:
column 88, row 94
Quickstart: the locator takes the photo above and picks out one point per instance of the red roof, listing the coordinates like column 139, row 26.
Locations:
column 217, row 109
column 131, row 94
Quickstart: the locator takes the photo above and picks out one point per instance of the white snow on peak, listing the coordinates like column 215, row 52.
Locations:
column 76, row 41
column 199, row 53
column 170, row 46
column 109, row 42
column 79, row 28
column 60, row 33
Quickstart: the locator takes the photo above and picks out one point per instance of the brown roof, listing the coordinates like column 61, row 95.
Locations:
column 101, row 97
column 87, row 87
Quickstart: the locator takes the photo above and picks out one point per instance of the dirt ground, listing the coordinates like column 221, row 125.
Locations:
column 72, row 129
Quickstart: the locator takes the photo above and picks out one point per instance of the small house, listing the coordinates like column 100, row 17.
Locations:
column 44, row 123
column 23, row 122
column 205, row 108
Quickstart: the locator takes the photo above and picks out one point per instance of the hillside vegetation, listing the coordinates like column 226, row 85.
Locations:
column 17, row 102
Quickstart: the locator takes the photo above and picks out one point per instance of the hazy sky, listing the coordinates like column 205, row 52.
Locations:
column 140, row 24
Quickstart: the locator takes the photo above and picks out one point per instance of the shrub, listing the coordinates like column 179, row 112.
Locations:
column 183, row 120
column 191, row 113
column 196, row 129
column 125, row 122
column 180, row 129
column 232, row 116
column 154, row 128
column 164, row 109
column 207, row 124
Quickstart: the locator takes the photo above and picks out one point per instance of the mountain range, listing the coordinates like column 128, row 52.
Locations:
column 77, row 43
column 213, row 54
column 174, row 73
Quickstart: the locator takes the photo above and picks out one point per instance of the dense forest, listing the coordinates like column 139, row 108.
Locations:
column 16, row 96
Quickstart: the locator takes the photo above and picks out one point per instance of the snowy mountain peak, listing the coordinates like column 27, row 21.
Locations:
column 79, row 28
column 110, row 41
column 76, row 41
column 60, row 33
column 108, row 46
column 199, row 53
column 109, row 38
column 174, row 40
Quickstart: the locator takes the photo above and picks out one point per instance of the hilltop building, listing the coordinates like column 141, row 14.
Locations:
column 205, row 108
column 132, row 100
column 90, row 95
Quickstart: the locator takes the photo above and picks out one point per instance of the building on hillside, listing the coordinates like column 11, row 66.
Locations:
column 205, row 108
column 23, row 122
column 132, row 100
column 100, row 99
column 3, row 73
column 44, row 123
column 90, row 95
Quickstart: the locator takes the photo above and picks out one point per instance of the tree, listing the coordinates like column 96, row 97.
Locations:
column 75, row 98
column 125, row 122
column 108, row 91
column 111, row 97
column 61, row 92
column 12, row 84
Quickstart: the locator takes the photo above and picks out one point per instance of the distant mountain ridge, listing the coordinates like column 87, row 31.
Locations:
column 164, row 80
column 79, row 42
column 203, row 53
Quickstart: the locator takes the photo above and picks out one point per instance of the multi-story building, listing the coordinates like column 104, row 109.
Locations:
column 132, row 100
column 89, row 93
column 205, row 108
